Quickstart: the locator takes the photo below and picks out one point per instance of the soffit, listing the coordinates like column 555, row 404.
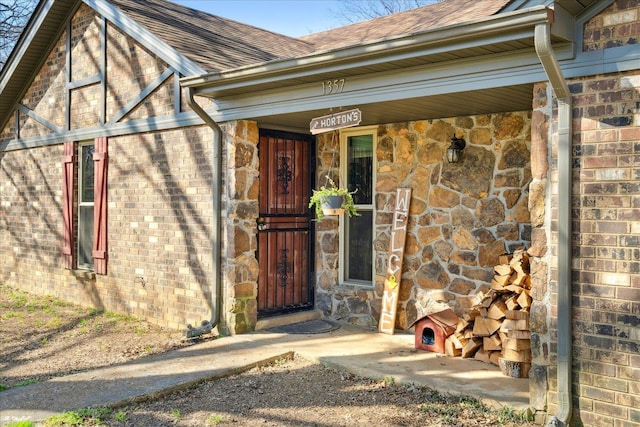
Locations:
column 487, row 101
column 575, row 7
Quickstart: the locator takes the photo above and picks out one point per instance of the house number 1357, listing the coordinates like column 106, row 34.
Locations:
column 332, row 86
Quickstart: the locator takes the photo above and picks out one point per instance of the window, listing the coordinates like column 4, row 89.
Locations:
column 356, row 238
column 86, row 175
column 86, row 247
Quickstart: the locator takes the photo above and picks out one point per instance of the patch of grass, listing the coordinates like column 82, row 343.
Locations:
column 54, row 323
column 121, row 416
column 26, row 382
column 66, row 419
column 9, row 315
column 214, row 419
column 83, row 326
column 473, row 404
column 49, row 310
column 3, row 387
column 18, row 300
column 78, row 418
column 388, row 381
column 176, row 414
column 120, row 317
column 508, row 415
column 21, row 424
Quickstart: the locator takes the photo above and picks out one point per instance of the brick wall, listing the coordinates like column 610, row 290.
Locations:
column 160, row 226
column 159, row 191
column 45, row 96
column 617, row 25
column 607, row 247
column 606, row 256
column 132, row 68
column 31, row 219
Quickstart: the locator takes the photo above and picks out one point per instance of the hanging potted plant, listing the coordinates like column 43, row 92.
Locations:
column 332, row 200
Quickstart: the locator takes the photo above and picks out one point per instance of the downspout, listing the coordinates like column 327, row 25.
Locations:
column 216, row 295
column 561, row 90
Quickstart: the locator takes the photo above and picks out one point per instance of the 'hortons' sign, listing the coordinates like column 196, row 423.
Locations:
column 343, row 119
column 394, row 262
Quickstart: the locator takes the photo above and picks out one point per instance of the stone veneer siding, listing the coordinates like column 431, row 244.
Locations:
column 239, row 215
column 462, row 216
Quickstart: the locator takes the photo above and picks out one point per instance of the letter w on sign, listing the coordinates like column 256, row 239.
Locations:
column 394, row 262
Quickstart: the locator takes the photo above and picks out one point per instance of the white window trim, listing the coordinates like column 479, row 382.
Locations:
column 344, row 134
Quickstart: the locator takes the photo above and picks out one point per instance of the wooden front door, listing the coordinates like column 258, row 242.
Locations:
column 285, row 243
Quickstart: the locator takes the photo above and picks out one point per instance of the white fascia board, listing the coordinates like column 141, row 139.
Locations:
column 21, row 47
column 151, row 124
column 486, row 31
column 611, row 60
column 146, row 38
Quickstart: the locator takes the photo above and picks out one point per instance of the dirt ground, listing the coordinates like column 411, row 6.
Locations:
column 44, row 338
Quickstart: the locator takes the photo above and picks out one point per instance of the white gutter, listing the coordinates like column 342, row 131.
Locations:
column 216, row 294
column 561, row 90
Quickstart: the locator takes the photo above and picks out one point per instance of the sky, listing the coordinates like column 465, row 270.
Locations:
column 294, row 18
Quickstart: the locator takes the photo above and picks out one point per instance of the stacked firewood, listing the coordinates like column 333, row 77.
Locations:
column 496, row 329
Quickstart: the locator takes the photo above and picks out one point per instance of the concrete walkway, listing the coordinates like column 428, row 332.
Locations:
column 361, row 351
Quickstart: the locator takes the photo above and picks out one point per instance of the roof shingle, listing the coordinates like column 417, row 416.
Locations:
column 216, row 43
column 437, row 15
column 212, row 42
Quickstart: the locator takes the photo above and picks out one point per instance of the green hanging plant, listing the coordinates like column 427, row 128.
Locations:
column 322, row 199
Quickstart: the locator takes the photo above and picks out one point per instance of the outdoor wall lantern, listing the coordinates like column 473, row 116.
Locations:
column 455, row 149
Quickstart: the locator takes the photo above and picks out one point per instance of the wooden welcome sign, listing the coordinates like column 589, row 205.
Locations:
column 394, row 262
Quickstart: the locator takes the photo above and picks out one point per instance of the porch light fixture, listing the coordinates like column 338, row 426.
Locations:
column 455, row 149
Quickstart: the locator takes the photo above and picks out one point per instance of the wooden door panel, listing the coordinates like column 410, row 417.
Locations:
column 284, row 179
column 284, row 226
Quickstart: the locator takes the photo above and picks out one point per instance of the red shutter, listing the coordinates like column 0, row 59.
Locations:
column 68, row 176
column 100, row 159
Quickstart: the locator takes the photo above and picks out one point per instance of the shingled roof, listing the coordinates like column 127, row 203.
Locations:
column 217, row 43
column 213, row 42
column 437, row 15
